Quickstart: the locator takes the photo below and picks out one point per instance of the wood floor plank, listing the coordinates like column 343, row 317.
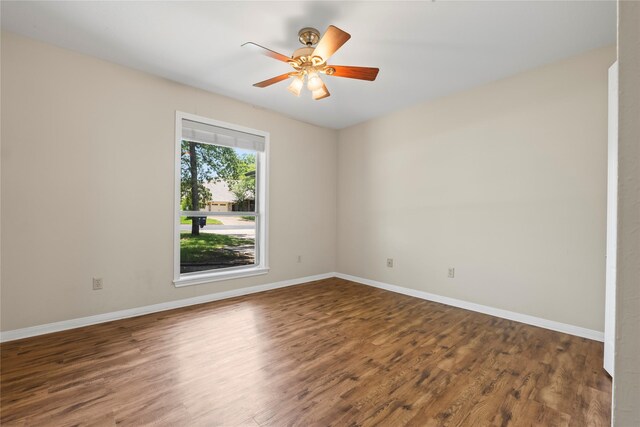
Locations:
column 331, row 352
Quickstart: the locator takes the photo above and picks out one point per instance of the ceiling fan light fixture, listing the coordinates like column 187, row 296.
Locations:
column 320, row 93
column 296, row 85
column 313, row 81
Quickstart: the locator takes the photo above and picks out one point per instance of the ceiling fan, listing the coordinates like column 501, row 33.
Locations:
column 311, row 62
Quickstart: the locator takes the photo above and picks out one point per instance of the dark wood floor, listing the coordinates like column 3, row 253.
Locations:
column 329, row 353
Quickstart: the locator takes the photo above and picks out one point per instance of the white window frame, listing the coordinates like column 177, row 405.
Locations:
column 262, row 207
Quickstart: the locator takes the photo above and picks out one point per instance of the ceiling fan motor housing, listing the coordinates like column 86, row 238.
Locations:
column 304, row 62
column 303, row 53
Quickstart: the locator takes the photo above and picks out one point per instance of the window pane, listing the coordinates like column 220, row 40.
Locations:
column 217, row 179
column 217, row 242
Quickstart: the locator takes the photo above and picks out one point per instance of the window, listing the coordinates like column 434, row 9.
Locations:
column 220, row 201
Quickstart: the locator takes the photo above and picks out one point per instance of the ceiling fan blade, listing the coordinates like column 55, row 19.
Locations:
column 330, row 42
column 360, row 73
column 272, row 80
column 268, row 52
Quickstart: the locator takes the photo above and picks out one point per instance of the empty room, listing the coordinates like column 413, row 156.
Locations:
column 320, row 213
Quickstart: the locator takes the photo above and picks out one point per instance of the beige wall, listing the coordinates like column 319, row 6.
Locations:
column 626, row 380
column 506, row 183
column 93, row 143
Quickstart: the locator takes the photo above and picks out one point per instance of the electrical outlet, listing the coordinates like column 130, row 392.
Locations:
column 97, row 283
column 390, row 262
column 299, row 258
column 452, row 273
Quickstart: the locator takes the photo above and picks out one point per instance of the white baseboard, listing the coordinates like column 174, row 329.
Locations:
column 139, row 311
column 505, row 314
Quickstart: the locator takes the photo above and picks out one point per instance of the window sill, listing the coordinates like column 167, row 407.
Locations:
column 198, row 279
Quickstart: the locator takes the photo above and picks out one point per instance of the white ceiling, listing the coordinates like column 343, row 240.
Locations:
column 424, row 49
